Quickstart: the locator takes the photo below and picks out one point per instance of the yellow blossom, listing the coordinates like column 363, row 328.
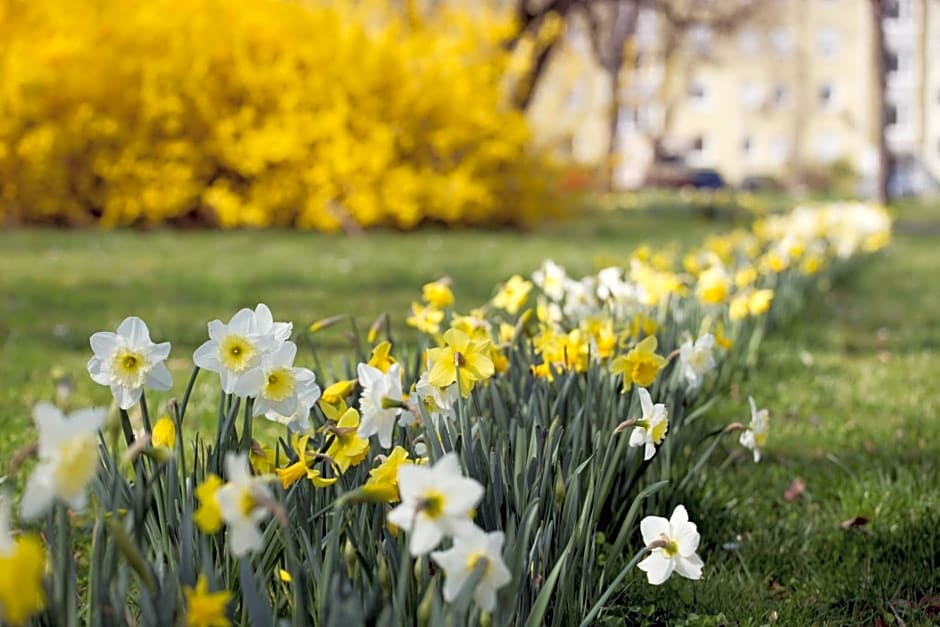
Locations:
column 759, row 302
column 204, row 608
column 426, row 319
column 382, row 484
column 640, row 365
column 337, row 392
column 164, row 433
column 347, row 449
column 438, row 294
column 208, row 516
column 301, row 468
column 21, row 573
column 261, row 458
column 460, row 356
column 512, row 294
column 713, row 286
column 381, row 358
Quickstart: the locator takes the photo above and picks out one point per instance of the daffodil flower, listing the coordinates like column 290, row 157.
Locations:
column 204, row 608
column 22, row 568
column 127, row 361
column 439, row 402
column 550, row 278
column 650, row 430
column 512, row 294
column 237, row 347
column 68, row 459
column 276, row 385
column 755, row 436
column 471, row 549
column 382, row 484
column 435, row 502
column 380, row 402
column 640, row 365
column 696, row 360
column 240, row 504
column 347, row 449
column 673, row 544
column 460, row 355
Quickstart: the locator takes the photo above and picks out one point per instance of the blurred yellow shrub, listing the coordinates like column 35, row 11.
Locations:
column 318, row 115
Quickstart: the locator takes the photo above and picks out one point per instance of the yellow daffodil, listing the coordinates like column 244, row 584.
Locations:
column 261, row 458
column 382, row 484
column 640, row 365
column 301, row 468
column 426, row 319
column 380, row 357
column 338, row 392
column 22, row 566
column 438, row 293
column 208, row 516
column 759, row 302
column 204, row 608
column 512, row 294
column 460, row 356
column 713, row 286
column 347, row 449
column 164, row 433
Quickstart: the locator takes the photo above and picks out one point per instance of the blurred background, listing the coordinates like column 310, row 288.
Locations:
column 348, row 114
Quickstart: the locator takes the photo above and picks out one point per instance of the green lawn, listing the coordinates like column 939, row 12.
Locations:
column 851, row 385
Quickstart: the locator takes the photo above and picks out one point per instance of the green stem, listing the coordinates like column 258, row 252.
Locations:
column 589, row 619
column 145, row 413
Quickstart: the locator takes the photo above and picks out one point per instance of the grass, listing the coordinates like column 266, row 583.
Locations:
column 850, row 383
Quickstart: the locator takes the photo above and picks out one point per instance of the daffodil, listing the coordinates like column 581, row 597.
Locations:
column 759, row 302
column 208, row 516
column 550, row 278
column 437, row 401
column 426, row 319
column 640, row 365
column 696, row 359
column 308, row 393
column 164, row 433
column 22, row 566
column 474, row 548
column 300, row 468
column 713, row 286
column 204, row 608
column 381, row 358
column 755, row 436
column 438, row 293
column 240, row 501
column 382, row 484
column 650, row 430
column 460, row 355
column 128, row 360
column 380, row 402
column 435, row 502
column 347, row 449
column 276, row 384
column 672, row 545
column 337, row 392
column 237, row 347
column 512, row 294
column 68, row 459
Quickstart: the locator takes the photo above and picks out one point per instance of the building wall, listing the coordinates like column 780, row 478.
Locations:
column 930, row 139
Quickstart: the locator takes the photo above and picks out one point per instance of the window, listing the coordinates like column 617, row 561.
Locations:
column 779, row 150
column 827, row 96
column 751, row 95
column 827, row 41
column 891, row 8
column 749, row 42
column 891, row 61
column 780, row 96
column 780, row 40
column 891, row 115
column 698, row 151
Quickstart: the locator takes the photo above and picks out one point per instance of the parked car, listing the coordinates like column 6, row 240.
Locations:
column 706, row 178
column 760, row 183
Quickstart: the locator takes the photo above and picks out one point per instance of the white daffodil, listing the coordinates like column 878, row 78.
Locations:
column 470, row 549
column 275, row 384
column 299, row 421
column 235, row 348
column 438, row 401
column 68, row 458
column 649, row 430
column 263, row 325
column 127, row 361
column 551, row 279
column 435, row 502
column 755, row 436
column 673, row 544
column 696, row 360
column 380, row 402
column 239, row 506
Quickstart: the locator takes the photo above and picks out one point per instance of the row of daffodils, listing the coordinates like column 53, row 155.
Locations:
column 494, row 474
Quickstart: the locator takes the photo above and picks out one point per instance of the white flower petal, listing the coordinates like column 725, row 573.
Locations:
column 425, row 535
column 38, row 494
column 646, row 403
column 658, row 567
column 125, row 397
column 103, row 343
column 99, row 374
column 134, row 331
column 679, row 517
column 159, row 352
column 652, row 527
column 159, row 377
column 207, row 356
column 690, row 566
column 249, row 384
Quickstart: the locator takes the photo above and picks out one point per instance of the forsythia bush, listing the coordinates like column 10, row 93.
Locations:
column 496, row 477
column 318, row 115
